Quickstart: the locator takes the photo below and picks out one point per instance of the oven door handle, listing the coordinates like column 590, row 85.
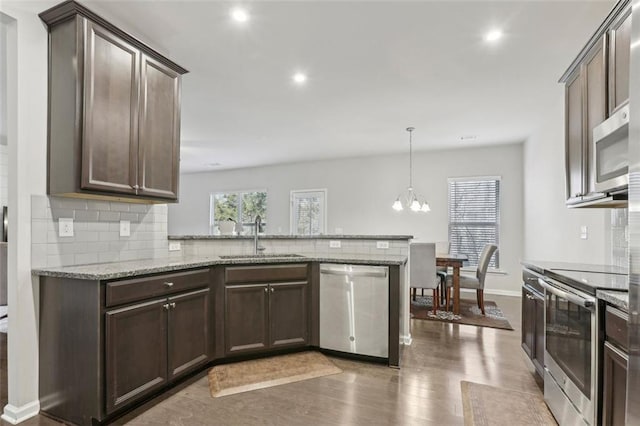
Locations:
column 580, row 301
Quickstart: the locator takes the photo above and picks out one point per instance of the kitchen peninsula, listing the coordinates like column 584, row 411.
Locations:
column 130, row 330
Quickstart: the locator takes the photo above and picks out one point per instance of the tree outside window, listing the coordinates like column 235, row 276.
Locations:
column 241, row 207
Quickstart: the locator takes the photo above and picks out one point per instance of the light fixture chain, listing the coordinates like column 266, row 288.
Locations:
column 410, row 130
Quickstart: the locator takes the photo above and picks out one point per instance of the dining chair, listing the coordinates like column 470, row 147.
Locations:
column 422, row 270
column 476, row 282
column 442, row 247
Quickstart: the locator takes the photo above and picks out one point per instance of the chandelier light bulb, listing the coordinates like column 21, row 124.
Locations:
column 397, row 206
column 425, row 207
column 415, row 206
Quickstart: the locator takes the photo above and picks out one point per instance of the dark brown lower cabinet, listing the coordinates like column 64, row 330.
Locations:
column 533, row 328
column 246, row 320
column 189, row 332
column 136, row 360
column 614, row 386
column 288, row 314
column 260, row 317
column 150, row 343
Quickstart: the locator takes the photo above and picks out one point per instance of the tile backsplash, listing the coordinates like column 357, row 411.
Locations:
column 619, row 237
column 96, row 236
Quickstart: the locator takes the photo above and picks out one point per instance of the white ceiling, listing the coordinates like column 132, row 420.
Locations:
column 374, row 68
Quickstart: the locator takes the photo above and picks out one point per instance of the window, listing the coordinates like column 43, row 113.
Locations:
column 474, row 216
column 241, row 207
column 308, row 212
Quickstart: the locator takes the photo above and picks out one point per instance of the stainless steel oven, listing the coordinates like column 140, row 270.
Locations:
column 571, row 353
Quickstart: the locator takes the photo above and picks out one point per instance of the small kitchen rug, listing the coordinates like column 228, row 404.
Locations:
column 485, row 405
column 229, row 379
column 470, row 314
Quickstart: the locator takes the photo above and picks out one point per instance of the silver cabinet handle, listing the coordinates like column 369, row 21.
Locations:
column 168, row 284
column 166, row 306
column 172, row 304
column 272, row 290
column 266, row 290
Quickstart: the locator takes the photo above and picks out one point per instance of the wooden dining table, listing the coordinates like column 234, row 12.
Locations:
column 454, row 261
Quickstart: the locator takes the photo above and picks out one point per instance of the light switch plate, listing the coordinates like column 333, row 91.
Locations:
column 584, row 232
column 125, row 228
column 65, row 227
column 174, row 246
column 335, row 244
column 382, row 244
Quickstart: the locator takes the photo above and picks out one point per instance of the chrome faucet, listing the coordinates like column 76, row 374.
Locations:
column 257, row 248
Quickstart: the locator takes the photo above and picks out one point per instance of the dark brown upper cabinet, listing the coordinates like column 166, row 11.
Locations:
column 596, row 84
column 619, row 38
column 114, row 111
column 585, row 108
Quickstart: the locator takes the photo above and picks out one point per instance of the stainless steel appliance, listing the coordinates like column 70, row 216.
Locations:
column 633, row 378
column 571, row 353
column 354, row 309
column 611, row 148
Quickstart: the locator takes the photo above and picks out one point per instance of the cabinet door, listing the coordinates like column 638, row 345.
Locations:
column 528, row 322
column 189, row 332
column 135, row 352
column 538, row 351
column 573, row 137
column 159, row 145
column 596, row 106
column 246, row 322
column 614, row 387
column 110, row 135
column 288, row 313
column 619, row 55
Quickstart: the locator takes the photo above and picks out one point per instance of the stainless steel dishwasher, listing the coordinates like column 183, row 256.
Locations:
column 354, row 309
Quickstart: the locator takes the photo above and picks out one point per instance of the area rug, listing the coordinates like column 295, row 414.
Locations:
column 470, row 314
column 229, row 379
column 485, row 405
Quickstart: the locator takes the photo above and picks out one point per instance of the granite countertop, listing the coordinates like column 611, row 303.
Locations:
column 585, row 277
column 108, row 271
column 619, row 299
column 292, row 237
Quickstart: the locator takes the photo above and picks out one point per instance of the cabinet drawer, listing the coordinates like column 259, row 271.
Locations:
column 119, row 292
column 616, row 327
column 253, row 274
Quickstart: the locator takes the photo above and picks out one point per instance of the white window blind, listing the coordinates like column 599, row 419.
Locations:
column 474, row 216
column 308, row 212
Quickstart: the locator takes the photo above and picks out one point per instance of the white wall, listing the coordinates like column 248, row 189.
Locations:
column 551, row 230
column 361, row 191
column 27, row 137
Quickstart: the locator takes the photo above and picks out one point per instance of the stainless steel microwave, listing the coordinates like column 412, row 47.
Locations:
column 611, row 151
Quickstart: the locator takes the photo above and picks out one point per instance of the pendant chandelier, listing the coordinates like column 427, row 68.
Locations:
column 410, row 199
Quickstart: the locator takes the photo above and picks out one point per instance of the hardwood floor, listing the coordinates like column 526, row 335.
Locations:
column 425, row 390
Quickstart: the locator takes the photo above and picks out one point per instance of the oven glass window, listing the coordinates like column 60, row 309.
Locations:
column 568, row 339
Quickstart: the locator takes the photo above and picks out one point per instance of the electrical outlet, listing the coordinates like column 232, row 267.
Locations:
column 335, row 244
column 174, row 246
column 382, row 244
column 584, row 232
column 65, row 227
column 125, row 228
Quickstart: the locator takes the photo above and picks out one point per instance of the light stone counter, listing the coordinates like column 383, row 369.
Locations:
column 108, row 271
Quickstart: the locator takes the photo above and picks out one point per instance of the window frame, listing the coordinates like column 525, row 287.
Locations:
column 238, row 218
column 497, row 224
column 292, row 223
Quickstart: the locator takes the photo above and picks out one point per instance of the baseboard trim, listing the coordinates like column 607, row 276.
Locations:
column 15, row 415
column 511, row 293
column 406, row 340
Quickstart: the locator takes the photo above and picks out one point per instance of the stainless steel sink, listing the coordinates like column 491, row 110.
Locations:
column 260, row 256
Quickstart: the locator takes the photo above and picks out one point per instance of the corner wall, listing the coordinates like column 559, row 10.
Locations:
column 551, row 230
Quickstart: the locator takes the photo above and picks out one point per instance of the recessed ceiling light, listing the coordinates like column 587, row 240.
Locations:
column 468, row 138
column 299, row 78
column 493, row 35
column 213, row 164
column 239, row 15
